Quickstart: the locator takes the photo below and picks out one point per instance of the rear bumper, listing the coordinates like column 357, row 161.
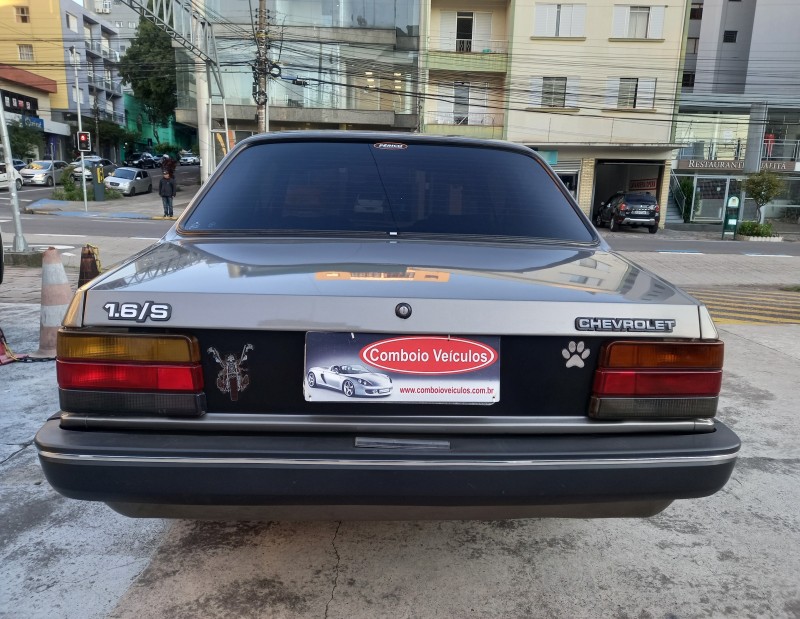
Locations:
column 639, row 221
column 493, row 476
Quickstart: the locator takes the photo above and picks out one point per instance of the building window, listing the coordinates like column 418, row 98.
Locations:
column 466, row 31
column 638, row 22
column 730, row 36
column 77, row 94
column 688, row 79
column 631, row 93
column 554, row 92
column 692, row 44
column 559, row 20
column 23, row 14
column 72, row 23
column 696, row 12
column 132, row 25
column 117, row 24
column 25, row 52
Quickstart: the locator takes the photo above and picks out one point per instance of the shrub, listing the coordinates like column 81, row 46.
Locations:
column 753, row 228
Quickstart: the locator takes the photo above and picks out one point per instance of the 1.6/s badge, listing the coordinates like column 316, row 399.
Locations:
column 139, row 312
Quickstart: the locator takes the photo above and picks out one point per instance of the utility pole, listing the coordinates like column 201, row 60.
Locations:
column 20, row 244
column 80, row 124
column 261, row 70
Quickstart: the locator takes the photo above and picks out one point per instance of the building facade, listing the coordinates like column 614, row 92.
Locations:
column 335, row 65
column 51, row 40
column 590, row 85
column 738, row 53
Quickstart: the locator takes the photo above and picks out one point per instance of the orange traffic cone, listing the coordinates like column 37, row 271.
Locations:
column 56, row 296
column 90, row 265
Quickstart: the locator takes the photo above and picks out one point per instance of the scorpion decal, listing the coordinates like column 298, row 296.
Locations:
column 232, row 378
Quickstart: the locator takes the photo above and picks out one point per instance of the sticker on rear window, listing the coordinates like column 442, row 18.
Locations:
column 390, row 146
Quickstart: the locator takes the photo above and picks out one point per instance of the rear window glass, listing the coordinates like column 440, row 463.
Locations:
column 644, row 198
column 418, row 189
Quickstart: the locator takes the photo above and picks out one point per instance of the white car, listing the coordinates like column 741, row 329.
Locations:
column 4, row 177
column 190, row 160
column 129, row 181
column 108, row 167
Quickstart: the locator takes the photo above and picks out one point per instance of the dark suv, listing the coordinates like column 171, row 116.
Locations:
column 141, row 160
column 629, row 209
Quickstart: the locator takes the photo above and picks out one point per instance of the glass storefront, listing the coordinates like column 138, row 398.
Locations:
column 711, row 194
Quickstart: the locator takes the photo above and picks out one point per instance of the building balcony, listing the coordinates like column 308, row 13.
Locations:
column 94, row 47
column 485, row 125
column 490, row 56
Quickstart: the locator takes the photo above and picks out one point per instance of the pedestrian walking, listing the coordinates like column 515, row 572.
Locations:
column 166, row 189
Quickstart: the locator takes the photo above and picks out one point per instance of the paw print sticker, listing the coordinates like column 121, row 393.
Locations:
column 575, row 354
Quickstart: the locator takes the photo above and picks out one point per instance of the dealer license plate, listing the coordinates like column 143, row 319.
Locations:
column 424, row 369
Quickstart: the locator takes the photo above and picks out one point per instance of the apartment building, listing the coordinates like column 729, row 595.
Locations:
column 32, row 84
column 738, row 52
column 50, row 40
column 590, row 85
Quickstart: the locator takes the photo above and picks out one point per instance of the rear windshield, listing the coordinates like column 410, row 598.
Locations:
column 643, row 198
column 358, row 187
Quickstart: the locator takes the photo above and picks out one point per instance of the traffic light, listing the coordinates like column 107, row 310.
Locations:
column 84, row 141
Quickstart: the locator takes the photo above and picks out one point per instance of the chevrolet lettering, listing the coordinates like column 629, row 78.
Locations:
column 261, row 361
column 632, row 325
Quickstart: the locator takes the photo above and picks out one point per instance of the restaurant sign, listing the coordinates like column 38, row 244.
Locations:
column 733, row 166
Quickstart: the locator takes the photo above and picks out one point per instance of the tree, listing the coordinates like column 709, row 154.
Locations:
column 762, row 187
column 26, row 141
column 149, row 67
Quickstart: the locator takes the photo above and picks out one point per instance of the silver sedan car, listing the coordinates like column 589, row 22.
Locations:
column 45, row 172
column 534, row 372
column 130, row 181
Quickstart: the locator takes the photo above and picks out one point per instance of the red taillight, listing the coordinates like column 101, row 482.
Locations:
column 623, row 206
column 628, row 383
column 118, row 373
column 658, row 208
column 648, row 379
column 129, row 376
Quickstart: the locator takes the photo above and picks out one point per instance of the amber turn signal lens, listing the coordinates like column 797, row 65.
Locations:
column 127, row 347
column 663, row 355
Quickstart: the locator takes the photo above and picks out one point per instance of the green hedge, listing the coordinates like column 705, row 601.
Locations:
column 753, row 228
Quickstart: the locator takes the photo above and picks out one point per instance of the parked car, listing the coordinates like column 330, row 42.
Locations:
column 190, row 160
column 534, row 371
column 141, row 160
column 158, row 159
column 45, row 172
column 129, row 181
column 108, row 167
column 629, row 209
column 4, row 177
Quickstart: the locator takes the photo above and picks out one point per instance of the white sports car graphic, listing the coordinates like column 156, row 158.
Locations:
column 351, row 380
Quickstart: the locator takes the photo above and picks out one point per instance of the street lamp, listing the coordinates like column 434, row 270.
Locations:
column 74, row 53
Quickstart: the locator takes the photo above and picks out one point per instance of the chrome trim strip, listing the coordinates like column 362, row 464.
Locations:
column 238, row 422
column 387, row 463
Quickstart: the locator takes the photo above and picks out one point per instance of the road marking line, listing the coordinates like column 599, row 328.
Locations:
column 74, row 236
column 680, row 251
column 769, row 255
column 144, row 238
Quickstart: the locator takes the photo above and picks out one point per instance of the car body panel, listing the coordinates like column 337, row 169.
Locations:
column 189, row 160
column 252, row 445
